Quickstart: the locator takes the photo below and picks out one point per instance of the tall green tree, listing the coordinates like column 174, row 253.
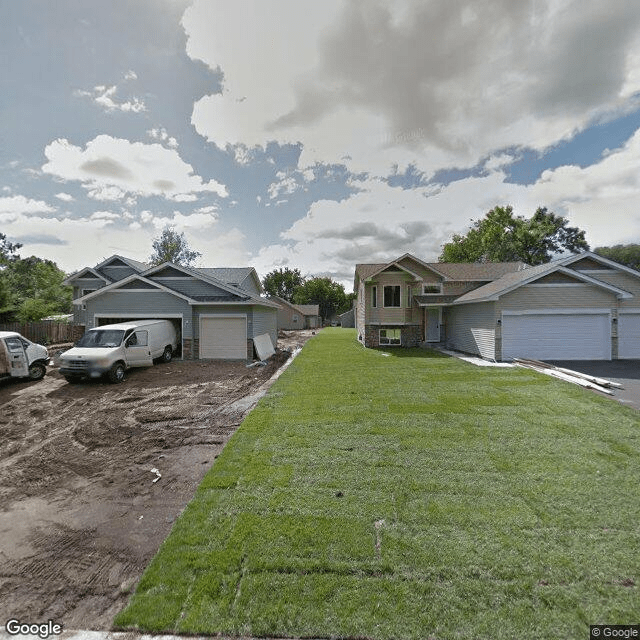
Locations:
column 172, row 246
column 329, row 295
column 282, row 282
column 8, row 250
column 503, row 237
column 627, row 254
column 36, row 289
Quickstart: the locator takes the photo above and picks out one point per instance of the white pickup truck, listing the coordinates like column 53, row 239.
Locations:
column 21, row 358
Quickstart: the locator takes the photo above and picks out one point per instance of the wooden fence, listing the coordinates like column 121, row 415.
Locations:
column 46, row 331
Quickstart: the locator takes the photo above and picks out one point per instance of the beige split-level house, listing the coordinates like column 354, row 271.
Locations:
column 580, row 307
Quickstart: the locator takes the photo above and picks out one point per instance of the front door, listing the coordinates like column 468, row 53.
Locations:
column 137, row 350
column 432, row 320
column 18, row 364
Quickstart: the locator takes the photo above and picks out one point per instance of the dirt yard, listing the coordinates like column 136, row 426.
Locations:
column 93, row 475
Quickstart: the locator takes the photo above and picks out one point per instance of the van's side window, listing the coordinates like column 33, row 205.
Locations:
column 14, row 345
column 141, row 338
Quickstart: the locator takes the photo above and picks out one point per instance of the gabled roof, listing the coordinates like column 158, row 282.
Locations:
column 302, row 309
column 308, row 309
column 196, row 273
column 458, row 271
column 78, row 274
column 121, row 283
column 511, row 281
column 134, row 264
column 232, row 275
column 569, row 260
column 242, row 296
column 477, row 271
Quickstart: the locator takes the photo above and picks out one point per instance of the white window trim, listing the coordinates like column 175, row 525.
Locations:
column 409, row 296
column 388, row 344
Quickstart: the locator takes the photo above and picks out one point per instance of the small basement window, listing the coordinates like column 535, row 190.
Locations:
column 390, row 336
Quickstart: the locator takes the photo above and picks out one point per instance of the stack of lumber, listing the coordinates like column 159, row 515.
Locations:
column 582, row 379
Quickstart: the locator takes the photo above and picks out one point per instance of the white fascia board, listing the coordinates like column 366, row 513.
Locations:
column 620, row 293
column 78, row 275
column 601, row 259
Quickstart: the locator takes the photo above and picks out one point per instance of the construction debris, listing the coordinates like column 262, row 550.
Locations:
column 576, row 377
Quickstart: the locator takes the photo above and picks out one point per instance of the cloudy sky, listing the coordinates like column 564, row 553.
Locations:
column 312, row 134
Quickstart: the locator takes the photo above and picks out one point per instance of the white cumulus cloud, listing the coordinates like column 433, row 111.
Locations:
column 111, row 168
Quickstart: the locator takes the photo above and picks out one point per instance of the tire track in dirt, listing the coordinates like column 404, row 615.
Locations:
column 80, row 515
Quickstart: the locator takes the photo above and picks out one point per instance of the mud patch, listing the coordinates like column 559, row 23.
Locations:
column 80, row 513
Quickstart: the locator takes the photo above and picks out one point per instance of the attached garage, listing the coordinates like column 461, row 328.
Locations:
column 629, row 335
column 223, row 337
column 557, row 335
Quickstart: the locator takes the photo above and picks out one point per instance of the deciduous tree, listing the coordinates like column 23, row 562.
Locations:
column 172, row 246
column 282, row 282
column 627, row 254
column 502, row 237
column 329, row 295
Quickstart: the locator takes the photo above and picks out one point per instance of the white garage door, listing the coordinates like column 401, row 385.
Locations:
column 629, row 335
column 557, row 336
column 223, row 338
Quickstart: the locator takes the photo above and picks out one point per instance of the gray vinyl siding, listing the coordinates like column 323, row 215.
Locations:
column 130, row 303
column 191, row 286
column 580, row 296
column 471, row 328
column 117, row 273
column 265, row 321
column 86, row 283
column 624, row 281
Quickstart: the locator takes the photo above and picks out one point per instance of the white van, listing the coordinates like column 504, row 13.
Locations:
column 21, row 358
column 113, row 348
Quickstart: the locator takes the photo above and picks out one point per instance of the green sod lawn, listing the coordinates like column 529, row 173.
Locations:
column 405, row 494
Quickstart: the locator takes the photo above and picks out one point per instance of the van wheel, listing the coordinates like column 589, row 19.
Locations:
column 37, row 371
column 116, row 373
column 167, row 354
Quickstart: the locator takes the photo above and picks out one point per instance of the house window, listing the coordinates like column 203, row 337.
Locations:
column 86, row 292
column 390, row 336
column 432, row 288
column 409, row 297
column 374, row 296
column 295, row 317
column 392, row 295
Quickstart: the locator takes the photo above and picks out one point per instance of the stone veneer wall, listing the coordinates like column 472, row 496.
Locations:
column 409, row 335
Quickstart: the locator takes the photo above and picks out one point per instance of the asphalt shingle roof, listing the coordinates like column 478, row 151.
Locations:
column 506, row 282
column 228, row 275
column 459, row 271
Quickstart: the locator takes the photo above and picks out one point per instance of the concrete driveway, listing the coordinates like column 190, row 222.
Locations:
column 626, row 372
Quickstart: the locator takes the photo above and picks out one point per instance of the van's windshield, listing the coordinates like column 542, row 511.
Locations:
column 101, row 338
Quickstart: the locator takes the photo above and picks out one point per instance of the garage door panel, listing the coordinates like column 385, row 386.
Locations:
column 556, row 336
column 629, row 335
column 223, row 338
